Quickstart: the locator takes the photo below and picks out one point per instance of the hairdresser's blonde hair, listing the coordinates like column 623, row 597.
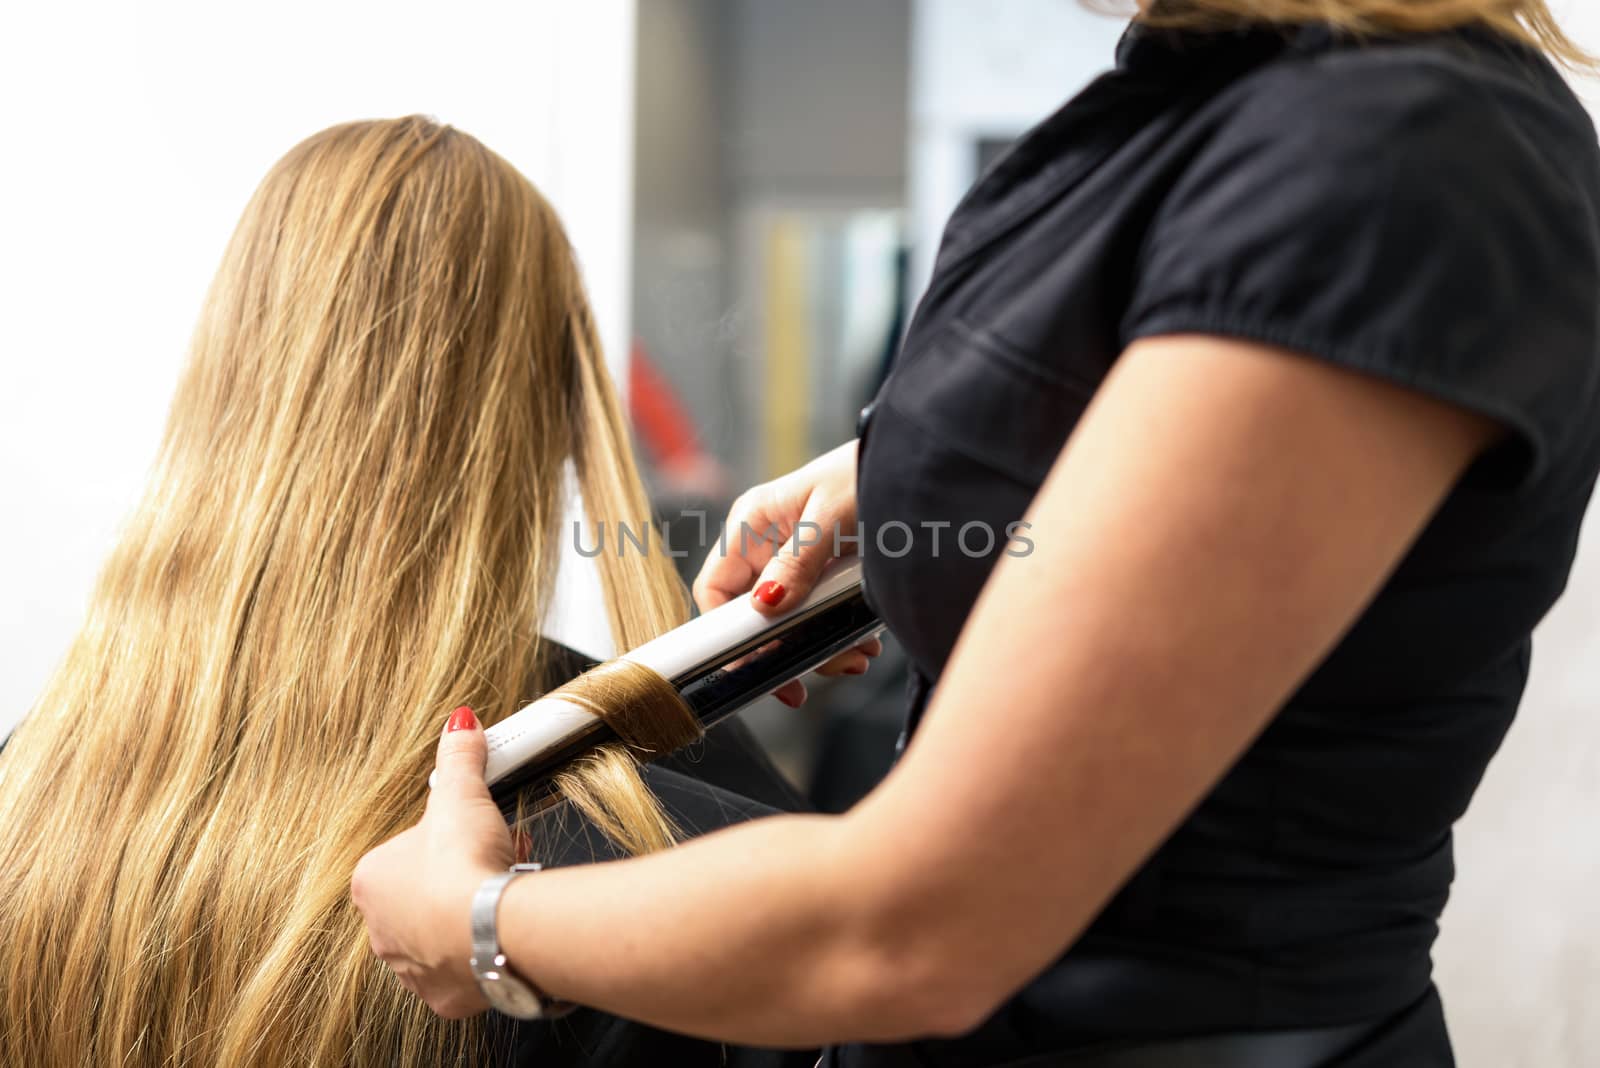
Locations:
column 1529, row 21
column 351, row 528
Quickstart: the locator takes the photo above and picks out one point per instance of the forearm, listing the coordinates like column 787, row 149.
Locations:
column 769, row 933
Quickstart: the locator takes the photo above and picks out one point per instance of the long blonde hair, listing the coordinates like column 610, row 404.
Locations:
column 1529, row 21
column 351, row 528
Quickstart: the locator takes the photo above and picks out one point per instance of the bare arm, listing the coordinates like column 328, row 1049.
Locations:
column 1220, row 517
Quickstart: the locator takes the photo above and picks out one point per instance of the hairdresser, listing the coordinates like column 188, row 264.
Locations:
column 1281, row 339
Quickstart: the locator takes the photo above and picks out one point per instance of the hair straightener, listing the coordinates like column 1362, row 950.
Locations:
column 718, row 662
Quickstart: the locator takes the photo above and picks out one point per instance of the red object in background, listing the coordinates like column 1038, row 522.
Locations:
column 663, row 423
column 667, row 432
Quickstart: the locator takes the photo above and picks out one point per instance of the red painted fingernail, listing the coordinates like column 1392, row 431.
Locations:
column 461, row 719
column 769, row 592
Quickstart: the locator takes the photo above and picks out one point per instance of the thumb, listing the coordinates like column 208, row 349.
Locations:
column 458, row 771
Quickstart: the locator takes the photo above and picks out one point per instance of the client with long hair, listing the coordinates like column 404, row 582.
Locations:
column 352, row 527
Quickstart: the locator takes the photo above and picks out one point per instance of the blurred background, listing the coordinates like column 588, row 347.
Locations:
column 755, row 189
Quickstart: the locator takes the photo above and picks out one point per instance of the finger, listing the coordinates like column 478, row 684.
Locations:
column 362, row 881
column 792, row 570
column 724, row 576
column 792, row 694
column 853, row 661
column 740, row 553
column 458, row 772
column 457, row 1004
column 849, row 662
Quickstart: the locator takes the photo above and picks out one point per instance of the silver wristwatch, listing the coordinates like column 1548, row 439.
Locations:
column 508, row 992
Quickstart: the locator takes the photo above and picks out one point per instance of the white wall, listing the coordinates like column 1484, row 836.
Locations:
column 133, row 139
column 1519, row 958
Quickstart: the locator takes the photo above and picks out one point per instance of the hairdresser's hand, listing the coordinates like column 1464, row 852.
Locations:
column 415, row 891
column 778, row 538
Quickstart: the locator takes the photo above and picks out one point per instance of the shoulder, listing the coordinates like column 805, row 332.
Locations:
column 1423, row 209
column 1395, row 149
column 1466, row 96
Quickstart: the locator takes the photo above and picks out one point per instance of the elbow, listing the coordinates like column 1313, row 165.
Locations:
column 959, row 997
column 932, row 949
column 961, row 1010
column 903, row 984
column 920, row 993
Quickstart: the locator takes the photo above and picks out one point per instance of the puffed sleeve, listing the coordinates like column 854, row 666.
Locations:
column 1411, row 221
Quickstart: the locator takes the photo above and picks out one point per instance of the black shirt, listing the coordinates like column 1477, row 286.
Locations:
column 1420, row 209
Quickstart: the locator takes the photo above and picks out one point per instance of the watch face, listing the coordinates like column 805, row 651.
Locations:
column 514, row 998
column 506, row 993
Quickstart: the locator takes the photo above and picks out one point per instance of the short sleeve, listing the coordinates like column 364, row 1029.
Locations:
column 1406, row 219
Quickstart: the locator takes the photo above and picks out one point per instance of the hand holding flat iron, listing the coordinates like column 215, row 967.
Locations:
column 777, row 539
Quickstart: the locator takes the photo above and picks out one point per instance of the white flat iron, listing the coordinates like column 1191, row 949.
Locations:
column 719, row 662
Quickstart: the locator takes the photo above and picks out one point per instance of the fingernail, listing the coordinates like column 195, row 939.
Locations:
column 769, row 592
column 461, row 719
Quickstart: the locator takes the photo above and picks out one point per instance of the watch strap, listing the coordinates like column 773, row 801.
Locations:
column 489, row 964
